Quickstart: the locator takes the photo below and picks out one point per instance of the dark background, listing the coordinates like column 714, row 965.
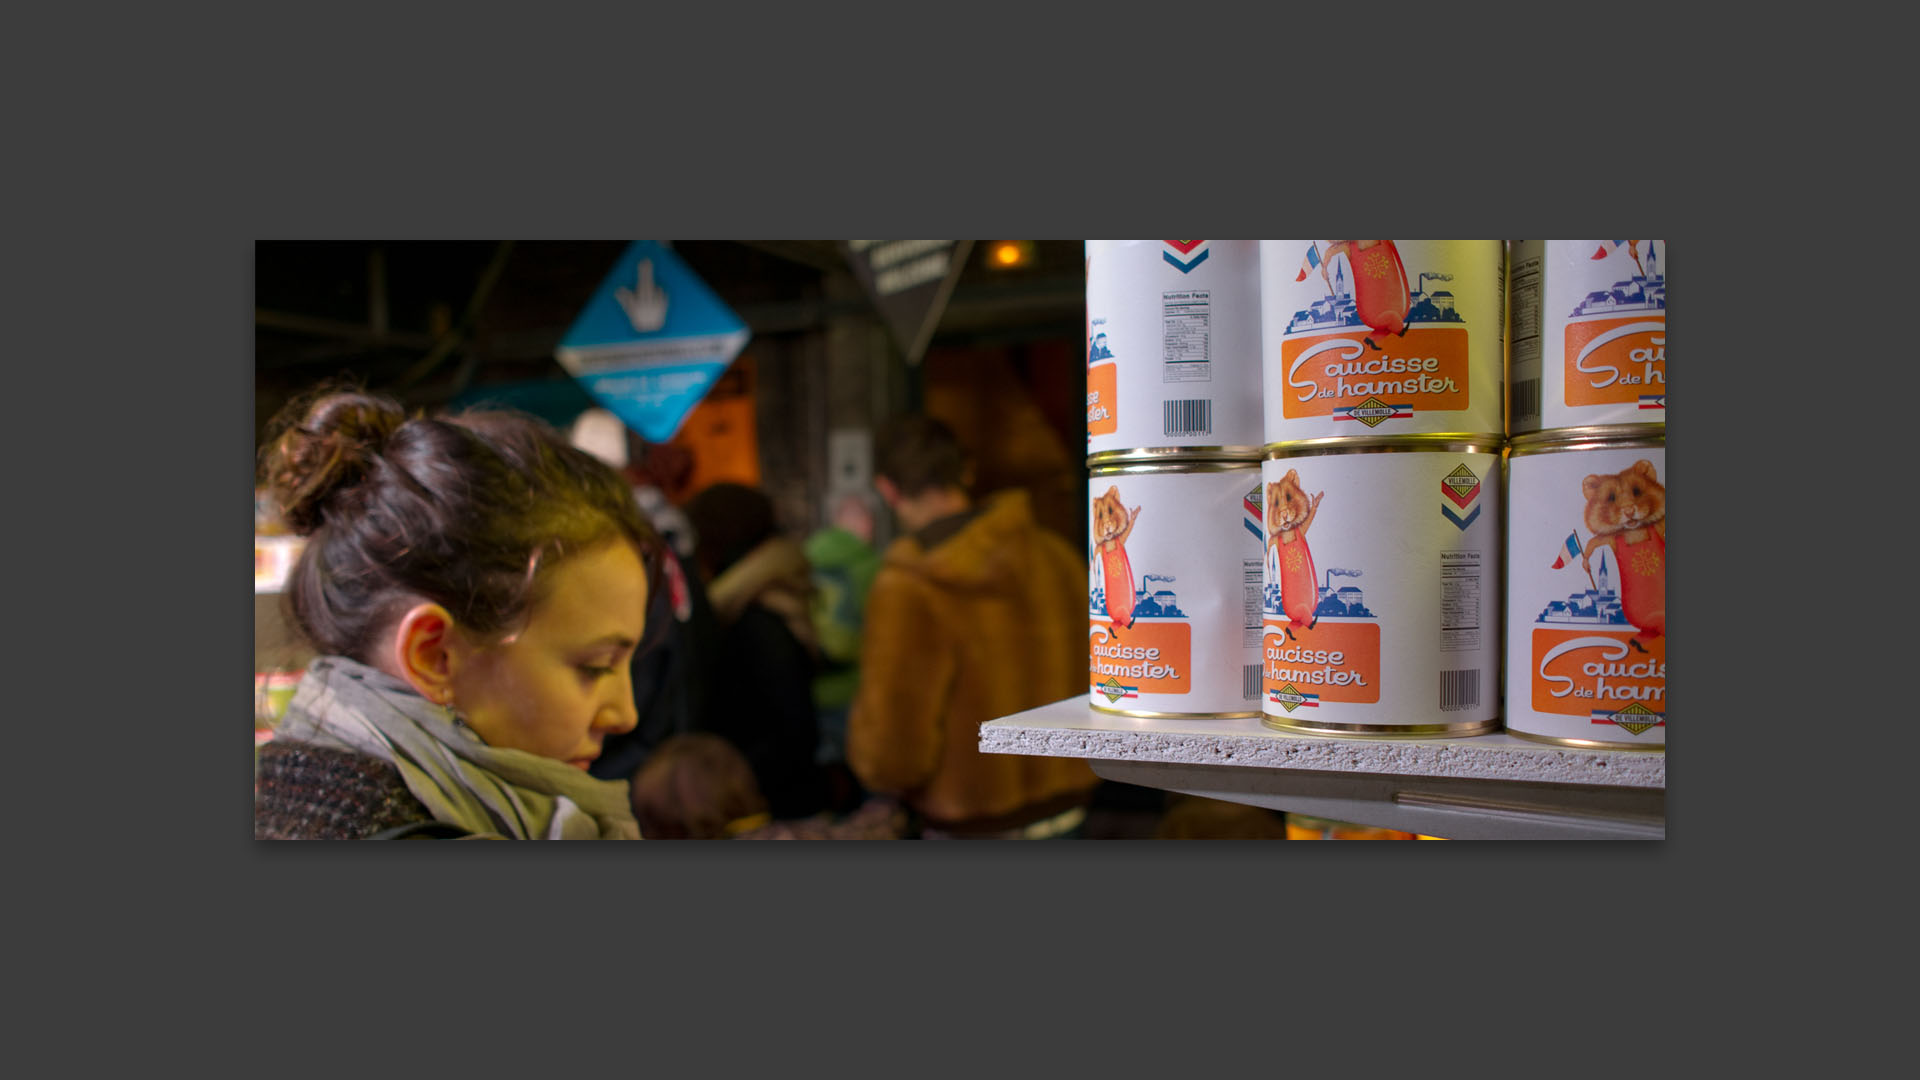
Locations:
column 446, row 323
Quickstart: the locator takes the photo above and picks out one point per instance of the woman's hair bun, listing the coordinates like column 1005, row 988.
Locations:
column 321, row 444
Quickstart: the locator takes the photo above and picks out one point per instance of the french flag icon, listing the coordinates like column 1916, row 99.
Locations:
column 1186, row 260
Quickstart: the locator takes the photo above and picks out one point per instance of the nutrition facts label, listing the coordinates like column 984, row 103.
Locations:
column 1460, row 577
column 1186, row 335
column 1526, row 308
column 1252, row 571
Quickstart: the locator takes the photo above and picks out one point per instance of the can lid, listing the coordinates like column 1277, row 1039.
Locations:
column 1452, row 442
column 1585, row 438
column 1174, row 454
column 1249, row 464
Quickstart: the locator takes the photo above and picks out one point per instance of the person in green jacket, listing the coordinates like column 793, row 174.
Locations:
column 844, row 564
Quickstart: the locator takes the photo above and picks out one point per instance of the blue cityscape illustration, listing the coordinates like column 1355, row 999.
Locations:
column 1634, row 294
column 1338, row 310
column 1344, row 602
column 1598, row 606
column 1160, row 603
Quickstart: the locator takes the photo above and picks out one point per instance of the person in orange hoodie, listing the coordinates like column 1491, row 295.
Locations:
column 977, row 612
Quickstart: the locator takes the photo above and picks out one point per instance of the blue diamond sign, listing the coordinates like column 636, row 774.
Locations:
column 652, row 341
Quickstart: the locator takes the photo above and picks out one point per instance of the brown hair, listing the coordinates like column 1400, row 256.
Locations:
column 692, row 787
column 470, row 511
column 917, row 453
column 729, row 520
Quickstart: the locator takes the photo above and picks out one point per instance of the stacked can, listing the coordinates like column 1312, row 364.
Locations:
column 1586, row 479
column 1383, row 426
column 1173, row 456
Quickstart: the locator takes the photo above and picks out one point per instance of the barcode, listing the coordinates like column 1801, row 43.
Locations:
column 1193, row 416
column 1250, row 683
column 1459, row 689
column 1526, row 398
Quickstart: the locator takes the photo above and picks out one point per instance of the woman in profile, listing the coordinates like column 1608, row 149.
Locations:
column 475, row 588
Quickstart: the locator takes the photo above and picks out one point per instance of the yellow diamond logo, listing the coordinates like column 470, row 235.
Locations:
column 1372, row 412
column 1635, row 718
column 1112, row 689
column 1289, row 698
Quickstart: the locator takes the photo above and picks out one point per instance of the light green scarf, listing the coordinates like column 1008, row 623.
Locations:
column 347, row 705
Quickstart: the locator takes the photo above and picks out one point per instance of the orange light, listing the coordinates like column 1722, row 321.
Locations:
column 1011, row 253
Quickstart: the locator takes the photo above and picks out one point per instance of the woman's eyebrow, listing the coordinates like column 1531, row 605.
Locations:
column 616, row 639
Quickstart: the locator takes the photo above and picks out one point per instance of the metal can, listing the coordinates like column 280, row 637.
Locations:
column 1174, row 578
column 1381, row 588
column 1587, row 667
column 1363, row 338
column 1173, row 347
column 1589, row 335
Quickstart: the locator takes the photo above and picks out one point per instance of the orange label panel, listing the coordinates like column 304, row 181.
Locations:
column 1332, row 661
column 1103, row 411
column 1426, row 370
column 1616, row 361
column 1145, row 658
column 1596, row 674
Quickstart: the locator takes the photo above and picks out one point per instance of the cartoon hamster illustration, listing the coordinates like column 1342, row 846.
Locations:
column 1289, row 512
column 1381, row 295
column 1627, row 511
column 1112, row 524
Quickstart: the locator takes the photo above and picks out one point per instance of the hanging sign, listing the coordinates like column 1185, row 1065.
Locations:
column 909, row 281
column 652, row 341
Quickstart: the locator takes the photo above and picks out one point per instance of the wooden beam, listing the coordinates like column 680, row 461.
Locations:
column 264, row 319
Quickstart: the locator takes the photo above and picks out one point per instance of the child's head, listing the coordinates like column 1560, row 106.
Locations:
column 480, row 557
column 696, row 787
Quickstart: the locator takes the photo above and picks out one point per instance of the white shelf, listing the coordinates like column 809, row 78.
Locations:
column 1485, row 787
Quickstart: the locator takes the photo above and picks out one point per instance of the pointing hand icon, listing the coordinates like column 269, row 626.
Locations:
column 645, row 304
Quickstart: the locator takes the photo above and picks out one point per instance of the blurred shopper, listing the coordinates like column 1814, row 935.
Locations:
column 604, row 435
column 476, row 588
column 670, row 680
column 844, row 564
column 700, row 787
column 760, row 697
column 977, row 612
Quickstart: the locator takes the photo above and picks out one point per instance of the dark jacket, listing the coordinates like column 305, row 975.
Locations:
column 760, row 697
column 670, row 674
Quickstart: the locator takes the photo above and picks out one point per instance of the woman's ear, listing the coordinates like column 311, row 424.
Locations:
column 423, row 645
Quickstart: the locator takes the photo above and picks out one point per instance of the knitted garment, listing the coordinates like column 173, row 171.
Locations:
column 307, row 792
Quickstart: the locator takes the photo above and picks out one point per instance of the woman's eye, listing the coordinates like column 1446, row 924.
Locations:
column 595, row 672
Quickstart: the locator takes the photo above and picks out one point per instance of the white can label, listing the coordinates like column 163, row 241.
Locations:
column 1174, row 576
column 1587, row 582
column 1382, row 583
column 1382, row 337
column 1173, row 344
column 1589, row 333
